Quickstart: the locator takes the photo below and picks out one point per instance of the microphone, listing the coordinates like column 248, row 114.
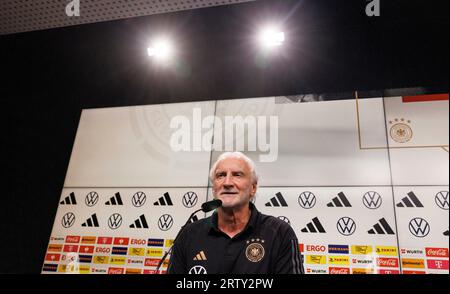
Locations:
column 211, row 205
column 206, row 207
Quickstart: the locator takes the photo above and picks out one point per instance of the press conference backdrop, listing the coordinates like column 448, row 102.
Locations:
column 364, row 183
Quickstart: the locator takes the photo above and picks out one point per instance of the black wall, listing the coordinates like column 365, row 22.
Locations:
column 49, row 76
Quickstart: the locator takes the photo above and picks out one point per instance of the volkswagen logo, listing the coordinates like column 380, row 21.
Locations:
column 197, row 270
column 372, row 200
column 346, row 226
column 441, row 199
column 190, row 199
column 307, row 200
column 91, row 198
column 285, row 219
column 68, row 220
column 419, row 227
column 114, row 221
column 138, row 199
column 165, row 222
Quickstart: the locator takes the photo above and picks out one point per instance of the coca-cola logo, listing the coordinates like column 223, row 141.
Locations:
column 339, row 271
column 437, row 252
column 151, row 262
column 72, row 239
column 387, row 262
column 115, row 271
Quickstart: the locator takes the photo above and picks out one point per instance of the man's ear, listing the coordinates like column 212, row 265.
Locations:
column 254, row 188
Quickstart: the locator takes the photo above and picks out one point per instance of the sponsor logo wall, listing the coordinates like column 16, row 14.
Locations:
column 358, row 201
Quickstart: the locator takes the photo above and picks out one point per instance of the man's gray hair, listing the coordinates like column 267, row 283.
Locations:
column 239, row 155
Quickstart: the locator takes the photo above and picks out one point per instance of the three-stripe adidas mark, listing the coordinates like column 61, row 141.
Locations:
column 193, row 219
column 314, row 227
column 339, row 201
column 200, row 256
column 115, row 200
column 91, row 222
column 164, row 200
column 378, row 228
column 412, row 201
column 69, row 199
column 140, row 223
column 277, row 201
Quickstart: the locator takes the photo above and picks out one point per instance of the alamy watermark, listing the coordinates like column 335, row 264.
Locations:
column 373, row 8
column 207, row 134
column 73, row 8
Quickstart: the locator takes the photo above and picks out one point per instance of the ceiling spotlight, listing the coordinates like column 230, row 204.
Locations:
column 271, row 37
column 161, row 49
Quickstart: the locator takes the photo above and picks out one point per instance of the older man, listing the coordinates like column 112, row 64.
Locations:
column 237, row 238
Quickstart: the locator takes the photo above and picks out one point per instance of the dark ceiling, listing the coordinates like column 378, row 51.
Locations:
column 332, row 46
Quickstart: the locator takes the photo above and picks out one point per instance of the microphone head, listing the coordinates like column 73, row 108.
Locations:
column 211, row 205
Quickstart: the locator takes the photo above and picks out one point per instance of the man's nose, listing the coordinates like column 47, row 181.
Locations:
column 228, row 182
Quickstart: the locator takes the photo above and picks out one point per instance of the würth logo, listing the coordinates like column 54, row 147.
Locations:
column 441, row 199
column 277, row 201
column 138, row 199
column 114, row 221
column 307, row 200
column 91, row 222
column 190, row 199
column 115, row 200
column 91, row 198
column 140, row 223
column 314, row 227
column 346, row 226
column 378, row 228
column 419, row 227
column 372, row 200
column 165, row 222
column 68, row 220
column 69, row 200
column 410, row 201
column 340, row 201
column 164, row 200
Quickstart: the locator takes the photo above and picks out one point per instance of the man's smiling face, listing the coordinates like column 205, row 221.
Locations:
column 233, row 183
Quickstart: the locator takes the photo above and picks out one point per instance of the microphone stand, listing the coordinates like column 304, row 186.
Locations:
column 170, row 250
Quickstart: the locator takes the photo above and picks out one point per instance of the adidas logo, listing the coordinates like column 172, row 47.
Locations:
column 140, row 223
column 115, row 200
column 340, row 201
column 412, row 201
column 91, row 222
column 193, row 219
column 164, row 200
column 277, row 201
column 314, row 227
column 378, row 228
column 69, row 200
column 200, row 256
